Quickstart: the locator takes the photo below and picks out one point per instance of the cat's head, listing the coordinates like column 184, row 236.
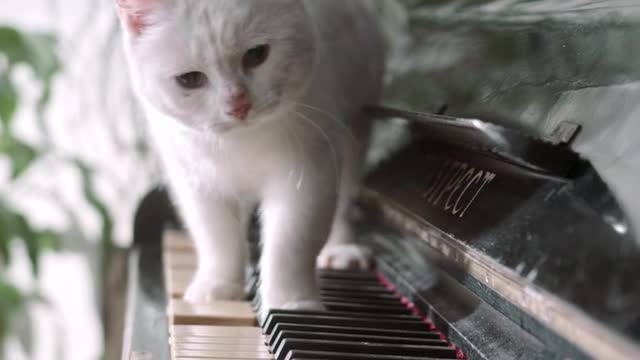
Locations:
column 215, row 65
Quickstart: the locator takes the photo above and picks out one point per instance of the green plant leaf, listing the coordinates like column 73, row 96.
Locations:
column 48, row 240
column 34, row 49
column 15, row 226
column 24, row 232
column 12, row 45
column 5, row 238
column 106, row 239
column 11, row 303
column 22, row 328
column 43, row 58
column 40, row 109
column 8, row 100
column 20, row 154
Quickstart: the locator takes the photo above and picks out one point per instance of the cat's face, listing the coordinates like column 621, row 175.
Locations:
column 216, row 65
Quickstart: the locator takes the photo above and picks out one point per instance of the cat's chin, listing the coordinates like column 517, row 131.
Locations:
column 227, row 127
column 231, row 125
column 221, row 128
column 234, row 126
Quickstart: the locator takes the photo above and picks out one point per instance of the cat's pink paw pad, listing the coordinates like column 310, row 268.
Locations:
column 345, row 257
column 206, row 292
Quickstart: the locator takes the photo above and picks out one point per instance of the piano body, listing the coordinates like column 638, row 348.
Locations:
column 491, row 241
column 512, row 247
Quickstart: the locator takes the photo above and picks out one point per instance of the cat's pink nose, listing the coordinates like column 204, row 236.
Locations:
column 239, row 105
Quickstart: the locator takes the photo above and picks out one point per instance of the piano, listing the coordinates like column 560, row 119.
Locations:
column 492, row 239
column 489, row 244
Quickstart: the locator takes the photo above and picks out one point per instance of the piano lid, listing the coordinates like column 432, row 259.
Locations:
column 532, row 65
column 559, row 229
column 548, row 155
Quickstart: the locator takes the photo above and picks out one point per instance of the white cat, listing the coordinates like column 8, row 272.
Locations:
column 259, row 102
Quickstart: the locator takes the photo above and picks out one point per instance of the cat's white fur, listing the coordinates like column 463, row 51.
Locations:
column 299, row 153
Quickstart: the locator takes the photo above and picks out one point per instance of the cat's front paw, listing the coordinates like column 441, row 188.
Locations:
column 206, row 292
column 345, row 257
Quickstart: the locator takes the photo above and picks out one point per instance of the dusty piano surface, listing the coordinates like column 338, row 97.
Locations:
column 507, row 246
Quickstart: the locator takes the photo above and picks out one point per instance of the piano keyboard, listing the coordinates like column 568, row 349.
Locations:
column 365, row 319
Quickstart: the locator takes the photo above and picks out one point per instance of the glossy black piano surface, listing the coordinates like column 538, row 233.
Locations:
column 531, row 65
column 504, row 253
column 555, row 246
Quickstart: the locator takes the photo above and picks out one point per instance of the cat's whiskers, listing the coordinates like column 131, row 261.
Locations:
column 329, row 142
column 331, row 117
column 301, row 150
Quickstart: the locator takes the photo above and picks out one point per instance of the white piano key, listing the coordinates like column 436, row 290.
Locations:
column 229, row 355
column 229, row 313
column 174, row 240
column 217, row 331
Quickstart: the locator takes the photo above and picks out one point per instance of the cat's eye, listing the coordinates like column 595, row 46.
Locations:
column 192, row 80
column 256, row 56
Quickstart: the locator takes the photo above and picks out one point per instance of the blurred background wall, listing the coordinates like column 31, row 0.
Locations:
column 83, row 167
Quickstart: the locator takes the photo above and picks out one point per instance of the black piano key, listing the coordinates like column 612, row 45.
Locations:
column 322, row 281
column 359, row 295
column 323, row 355
column 339, row 306
column 359, row 310
column 348, row 314
column 350, row 281
column 364, row 319
column 371, row 322
column 360, row 301
column 367, row 288
column 276, row 313
column 357, row 288
column 290, row 344
column 347, row 275
column 420, row 334
column 397, row 309
column 337, row 336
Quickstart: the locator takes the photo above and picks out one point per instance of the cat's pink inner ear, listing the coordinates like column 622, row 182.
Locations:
column 133, row 13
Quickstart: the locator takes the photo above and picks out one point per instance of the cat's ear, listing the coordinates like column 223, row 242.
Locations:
column 134, row 14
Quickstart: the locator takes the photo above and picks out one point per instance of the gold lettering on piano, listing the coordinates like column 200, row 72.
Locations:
column 455, row 186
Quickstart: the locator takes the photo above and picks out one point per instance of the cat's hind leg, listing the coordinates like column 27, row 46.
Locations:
column 342, row 251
